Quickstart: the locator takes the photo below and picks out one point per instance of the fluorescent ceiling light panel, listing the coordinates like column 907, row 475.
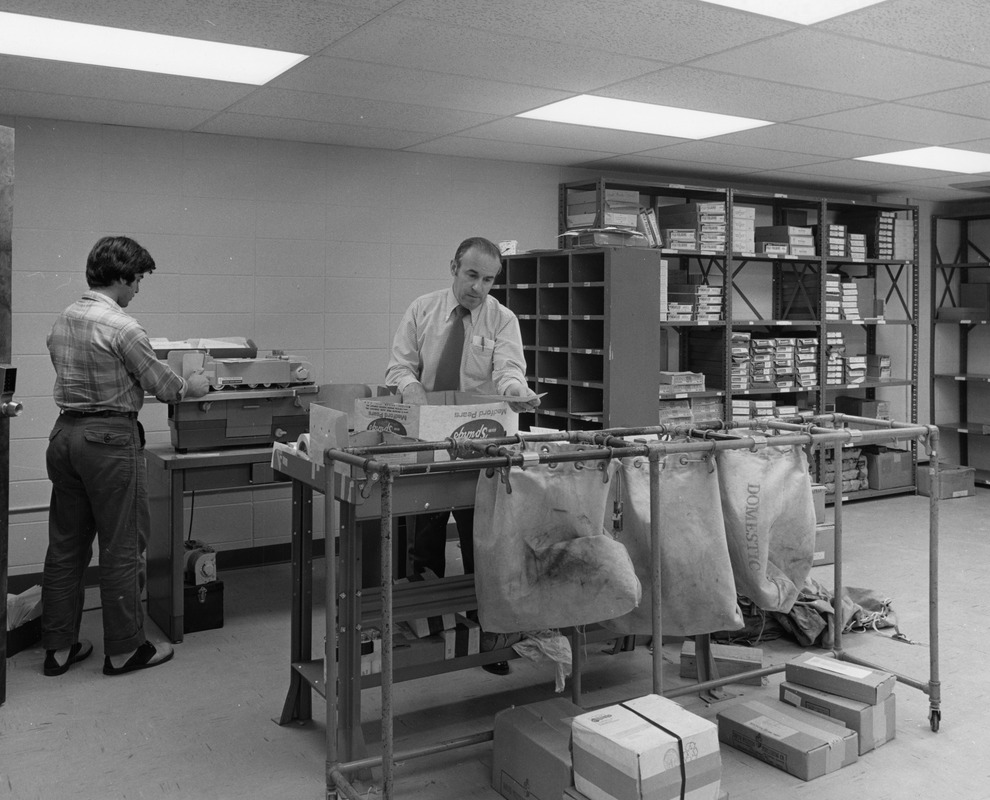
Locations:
column 57, row 40
column 947, row 159
column 803, row 12
column 627, row 115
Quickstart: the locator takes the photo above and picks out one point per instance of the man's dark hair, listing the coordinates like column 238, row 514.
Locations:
column 477, row 243
column 116, row 257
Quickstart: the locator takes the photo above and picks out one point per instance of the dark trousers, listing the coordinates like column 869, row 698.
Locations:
column 429, row 542
column 99, row 493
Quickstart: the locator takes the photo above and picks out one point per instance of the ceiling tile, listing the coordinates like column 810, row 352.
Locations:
column 578, row 137
column 462, row 51
column 969, row 101
column 720, row 153
column 348, row 78
column 356, row 111
column 673, row 31
column 299, row 26
column 864, row 171
column 302, row 130
column 464, row 147
column 802, row 139
column 727, row 93
column 894, row 120
column 82, row 80
column 953, row 29
column 670, row 169
column 110, row 112
column 840, row 64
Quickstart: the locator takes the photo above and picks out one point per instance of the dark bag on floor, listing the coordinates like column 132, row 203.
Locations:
column 698, row 593
column 769, row 522
column 542, row 556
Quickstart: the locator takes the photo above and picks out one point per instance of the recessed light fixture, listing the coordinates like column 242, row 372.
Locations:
column 947, row 159
column 627, row 115
column 803, row 12
column 58, row 40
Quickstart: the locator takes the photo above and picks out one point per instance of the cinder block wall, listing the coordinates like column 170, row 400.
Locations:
column 313, row 249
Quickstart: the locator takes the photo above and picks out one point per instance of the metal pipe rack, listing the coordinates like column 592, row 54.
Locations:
column 370, row 474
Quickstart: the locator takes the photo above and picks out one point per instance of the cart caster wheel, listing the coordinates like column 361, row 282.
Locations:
column 935, row 718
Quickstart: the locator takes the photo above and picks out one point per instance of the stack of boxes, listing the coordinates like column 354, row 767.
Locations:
column 646, row 747
column 739, row 368
column 806, row 361
column 851, row 475
column 835, row 358
column 743, row 229
column 693, row 302
column 762, row 373
column 855, row 369
column 833, row 298
column 829, row 713
column 785, row 362
column 877, row 231
column 799, row 240
column 856, row 246
column 621, row 209
column 834, row 239
column 860, row 698
column 878, row 366
column 706, row 220
column 679, row 407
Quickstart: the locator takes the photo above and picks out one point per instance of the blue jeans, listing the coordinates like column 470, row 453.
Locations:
column 99, row 492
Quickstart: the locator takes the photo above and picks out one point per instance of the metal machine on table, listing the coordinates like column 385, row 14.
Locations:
column 253, row 400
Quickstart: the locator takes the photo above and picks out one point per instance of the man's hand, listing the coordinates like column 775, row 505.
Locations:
column 414, row 394
column 197, row 384
column 527, row 400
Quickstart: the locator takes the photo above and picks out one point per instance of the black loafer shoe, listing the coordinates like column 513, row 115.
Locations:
column 80, row 651
column 497, row 668
column 147, row 655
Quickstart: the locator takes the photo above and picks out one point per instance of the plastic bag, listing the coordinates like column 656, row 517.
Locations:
column 769, row 522
column 698, row 593
column 542, row 556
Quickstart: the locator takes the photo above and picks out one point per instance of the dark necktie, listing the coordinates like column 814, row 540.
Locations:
column 449, row 366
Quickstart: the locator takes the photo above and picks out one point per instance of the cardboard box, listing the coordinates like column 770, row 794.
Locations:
column 464, row 639
column 860, row 407
column 956, row 481
column 802, row 743
column 648, row 747
column 874, row 724
column 729, row 660
column 888, row 468
column 818, row 498
column 840, row 677
column 572, row 793
column 531, row 757
column 824, row 545
column 455, row 415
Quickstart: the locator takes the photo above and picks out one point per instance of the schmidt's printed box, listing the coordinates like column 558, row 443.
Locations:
column 840, row 677
column 874, row 724
column 449, row 415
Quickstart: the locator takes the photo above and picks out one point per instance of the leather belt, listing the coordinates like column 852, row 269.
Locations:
column 71, row 412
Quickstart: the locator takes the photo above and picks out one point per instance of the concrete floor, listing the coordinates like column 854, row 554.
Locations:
column 202, row 726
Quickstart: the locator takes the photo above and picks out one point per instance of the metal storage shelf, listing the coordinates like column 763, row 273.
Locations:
column 959, row 289
column 781, row 295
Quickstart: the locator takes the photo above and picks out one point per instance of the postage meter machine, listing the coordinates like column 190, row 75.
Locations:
column 253, row 400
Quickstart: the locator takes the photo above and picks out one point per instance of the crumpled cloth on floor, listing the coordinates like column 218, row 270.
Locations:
column 548, row 644
column 811, row 621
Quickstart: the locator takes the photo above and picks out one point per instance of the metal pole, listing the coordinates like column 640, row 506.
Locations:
column 388, row 764
column 837, row 591
column 655, row 563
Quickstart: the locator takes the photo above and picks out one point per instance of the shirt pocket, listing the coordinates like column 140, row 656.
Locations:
column 480, row 359
column 108, row 437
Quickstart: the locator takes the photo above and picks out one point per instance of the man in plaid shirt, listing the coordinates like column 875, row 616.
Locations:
column 104, row 365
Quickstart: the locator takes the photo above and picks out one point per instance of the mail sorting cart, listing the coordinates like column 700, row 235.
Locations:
column 355, row 478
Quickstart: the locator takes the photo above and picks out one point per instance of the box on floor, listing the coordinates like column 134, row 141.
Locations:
column 830, row 675
column 531, row 758
column 874, row 724
column 799, row 742
column 648, row 747
column 956, row 481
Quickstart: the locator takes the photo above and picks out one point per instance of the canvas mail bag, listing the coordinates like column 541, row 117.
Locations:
column 769, row 522
column 698, row 593
column 542, row 556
